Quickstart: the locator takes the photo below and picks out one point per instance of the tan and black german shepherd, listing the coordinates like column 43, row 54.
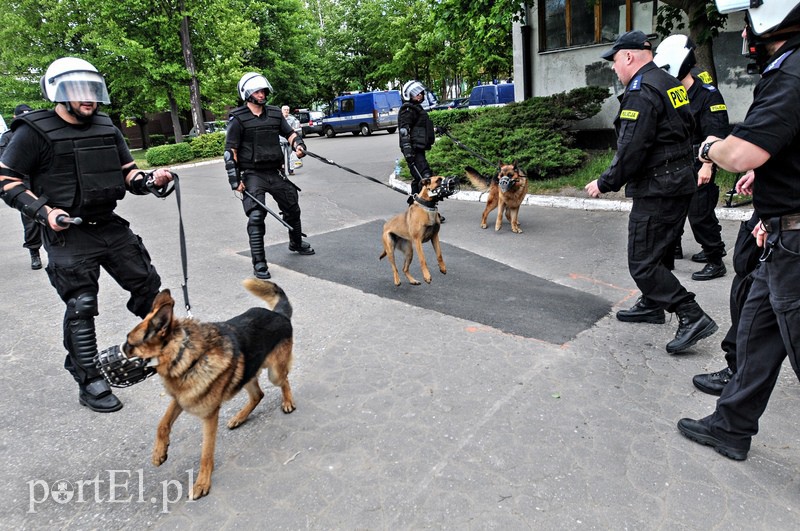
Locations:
column 204, row 364
column 408, row 231
column 506, row 191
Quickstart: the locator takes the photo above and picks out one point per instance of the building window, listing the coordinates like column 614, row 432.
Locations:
column 567, row 23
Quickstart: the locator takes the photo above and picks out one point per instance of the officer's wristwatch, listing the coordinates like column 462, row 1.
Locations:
column 704, row 151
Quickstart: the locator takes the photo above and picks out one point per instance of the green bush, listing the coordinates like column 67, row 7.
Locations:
column 169, row 154
column 208, row 145
column 534, row 133
column 157, row 140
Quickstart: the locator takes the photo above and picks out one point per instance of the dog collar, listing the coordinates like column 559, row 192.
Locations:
column 427, row 205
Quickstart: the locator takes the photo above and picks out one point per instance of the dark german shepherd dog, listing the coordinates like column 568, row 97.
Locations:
column 204, row 364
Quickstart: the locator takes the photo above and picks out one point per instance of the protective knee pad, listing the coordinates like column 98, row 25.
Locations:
column 79, row 336
column 255, row 233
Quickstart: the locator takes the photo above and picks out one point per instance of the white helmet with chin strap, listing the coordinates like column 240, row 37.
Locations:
column 411, row 89
column 73, row 79
column 675, row 55
column 253, row 82
column 764, row 16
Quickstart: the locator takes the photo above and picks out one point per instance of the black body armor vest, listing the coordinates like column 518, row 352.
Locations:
column 260, row 146
column 85, row 177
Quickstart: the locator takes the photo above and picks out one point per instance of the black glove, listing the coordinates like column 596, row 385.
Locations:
column 231, row 170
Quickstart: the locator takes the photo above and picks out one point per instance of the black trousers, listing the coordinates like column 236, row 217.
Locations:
column 262, row 182
column 74, row 259
column 653, row 226
column 33, row 233
column 704, row 223
column 769, row 331
column 419, row 169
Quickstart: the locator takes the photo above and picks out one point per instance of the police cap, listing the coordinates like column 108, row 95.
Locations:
column 631, row 40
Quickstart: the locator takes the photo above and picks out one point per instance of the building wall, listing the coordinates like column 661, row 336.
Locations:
column 562, row 70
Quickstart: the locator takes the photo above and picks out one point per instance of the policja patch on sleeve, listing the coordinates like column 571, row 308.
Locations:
column 629, row 115
column 718, row 108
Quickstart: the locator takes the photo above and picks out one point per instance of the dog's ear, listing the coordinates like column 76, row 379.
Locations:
column 162, row 314
column 425, row 182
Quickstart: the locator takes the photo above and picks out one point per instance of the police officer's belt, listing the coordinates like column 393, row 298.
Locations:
column 670, row 166
column 790, row 222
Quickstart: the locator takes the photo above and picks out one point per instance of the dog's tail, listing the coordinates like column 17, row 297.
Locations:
column 270, row 293
column 477, row 180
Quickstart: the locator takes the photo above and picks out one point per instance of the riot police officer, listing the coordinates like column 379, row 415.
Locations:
column 654, row 162
column 767, row 140
column 253, row 159
column 72, row 161
column 416, row 133
column 676, row 55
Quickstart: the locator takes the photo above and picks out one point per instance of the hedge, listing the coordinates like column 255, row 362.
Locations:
column 169, row 154
column 208, row 145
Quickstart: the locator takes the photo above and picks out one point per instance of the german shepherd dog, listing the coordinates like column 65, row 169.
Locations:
column 408, row 231
column 507, row 190
column 204, row 364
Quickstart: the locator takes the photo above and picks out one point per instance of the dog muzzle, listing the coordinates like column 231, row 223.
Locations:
column 122, row 371
column 448, row 187
column 507, row 183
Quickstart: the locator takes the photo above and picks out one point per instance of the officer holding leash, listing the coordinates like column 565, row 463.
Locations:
column 70, row 163
column 253, row 159
column 768, row 139
column 416, row 133
column 654, row 162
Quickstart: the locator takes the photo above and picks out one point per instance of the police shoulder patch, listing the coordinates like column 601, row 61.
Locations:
column 705, row 77
column 710, row 88
column 635, row 83
column 677, row 96
column 629, row 115
column 776, row 64
column 718, row 108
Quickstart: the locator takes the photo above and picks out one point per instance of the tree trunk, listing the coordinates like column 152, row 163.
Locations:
column 174, row 115
column 194, row 84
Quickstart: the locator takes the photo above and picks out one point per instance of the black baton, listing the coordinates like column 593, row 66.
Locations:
column 269, row 211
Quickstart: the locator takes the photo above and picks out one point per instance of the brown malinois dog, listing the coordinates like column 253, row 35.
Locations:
column 204, row 364
column 409, row 230
column 507, row 191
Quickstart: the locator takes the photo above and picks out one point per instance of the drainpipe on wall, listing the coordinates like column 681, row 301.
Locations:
column 527, row 67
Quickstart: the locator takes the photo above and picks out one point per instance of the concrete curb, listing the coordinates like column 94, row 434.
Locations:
column 574, row 203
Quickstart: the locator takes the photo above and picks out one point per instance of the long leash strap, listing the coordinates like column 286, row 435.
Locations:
column 354, row 172
column 466, row 148
column 184, row 261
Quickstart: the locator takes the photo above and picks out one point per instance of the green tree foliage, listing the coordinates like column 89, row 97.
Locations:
column 535, row 133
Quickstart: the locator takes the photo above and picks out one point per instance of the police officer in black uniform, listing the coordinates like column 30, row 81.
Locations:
column 416, row 133
column 253, row 159
column 767, row 140
column 33, row 238
column 676, row 55
column 654, row 162
column 72, row 161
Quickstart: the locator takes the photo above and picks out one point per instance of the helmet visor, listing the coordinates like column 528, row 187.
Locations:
column 80, row 86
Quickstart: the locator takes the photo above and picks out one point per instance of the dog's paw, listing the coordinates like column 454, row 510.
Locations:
column 235, row 422
column 200, row 489
column 287, row 407
column 159, row 455
column 484, row 225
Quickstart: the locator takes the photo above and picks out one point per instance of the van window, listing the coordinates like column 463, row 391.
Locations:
column 505, row 93
column 348, row 105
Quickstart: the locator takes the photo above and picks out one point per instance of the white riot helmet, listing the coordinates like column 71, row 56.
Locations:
column 411, row 89
column 675, row 55
column 253, row 82
column 767, row 16
column 72, row 79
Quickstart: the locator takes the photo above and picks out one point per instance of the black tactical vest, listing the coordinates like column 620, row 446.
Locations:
column 85, row 177
column 260, row 146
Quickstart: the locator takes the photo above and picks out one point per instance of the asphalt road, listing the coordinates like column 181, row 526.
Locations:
column 505, row 395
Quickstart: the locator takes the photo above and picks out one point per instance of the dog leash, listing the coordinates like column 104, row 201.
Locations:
column 332, row 163
column 460, row 144
column 162, row 193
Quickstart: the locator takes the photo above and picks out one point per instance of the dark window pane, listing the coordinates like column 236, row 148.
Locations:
column 613, row 19
column 582, row 22
column 555, row 24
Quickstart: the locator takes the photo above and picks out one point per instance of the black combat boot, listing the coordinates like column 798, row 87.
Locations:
column 36, row 260
column 713, row 383
column 693, row 325
column 642, row 312
column 301, row 248
column 261, row 270
column 710, row 271
column 296, row 243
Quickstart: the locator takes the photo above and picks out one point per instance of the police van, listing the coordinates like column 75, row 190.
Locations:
column 362, row 113
column 491, row 95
